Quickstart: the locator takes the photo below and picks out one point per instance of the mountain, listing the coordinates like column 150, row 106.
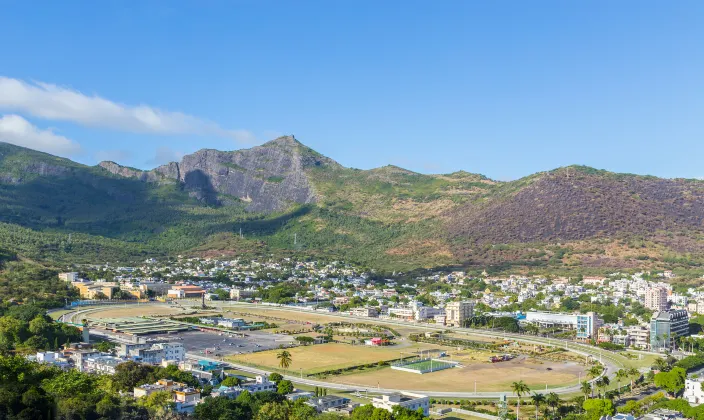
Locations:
column 574, row 219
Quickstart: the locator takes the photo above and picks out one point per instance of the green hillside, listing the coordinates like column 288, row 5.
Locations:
column 571, row 219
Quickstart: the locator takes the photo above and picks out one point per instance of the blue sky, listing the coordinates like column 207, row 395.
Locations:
column 503, row 88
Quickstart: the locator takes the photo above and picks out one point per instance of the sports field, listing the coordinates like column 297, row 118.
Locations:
column 427, row 365
column 331, row 356
column 488, row 376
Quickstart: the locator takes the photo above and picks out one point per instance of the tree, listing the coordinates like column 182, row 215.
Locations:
column 586, row 389
column 284, row 387
column 633, row 373
column 273, row 411
column 519, row 388
column 363, row 412
column 596, row 408
column 305, row 340
column 285, row 359
column 222, row 408
column 620, row 374
column 595, row 371
column 672, row 381
column 157, row 402
column 538, row 399
column 130, row 374
column 302, row 411
column 231, row 381
column 275, row 377
column 553, row 400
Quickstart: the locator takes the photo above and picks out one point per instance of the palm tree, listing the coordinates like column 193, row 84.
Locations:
column 285, row 359
column 553, row 400
column 620, row 374
column 537, row 400
column 601, row 384
column 586, row 389
column 519, row 388
column 595, row 371
column 632, row 372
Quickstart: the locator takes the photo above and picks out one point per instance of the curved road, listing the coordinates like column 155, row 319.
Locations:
column 610, row 360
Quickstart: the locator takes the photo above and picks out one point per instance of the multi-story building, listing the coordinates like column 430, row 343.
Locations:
column 402, row 312
column 656, row 298
column 156, row 353
column 238, row 294
column 68, row 277
column 186, row 291
column 102, row 364
column 91, row 290
column 406, row 399
column 693, row 392
column 365, row 311
column 457, row 313
column 665, row 326
column 327, row 402
column 587, row 325
column 638, row 336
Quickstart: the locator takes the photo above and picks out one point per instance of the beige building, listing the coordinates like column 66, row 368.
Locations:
column 68, row 277
column 456, row 313
column 238, row 294
column 365, row 311
column 656, row 299
column 90, row 290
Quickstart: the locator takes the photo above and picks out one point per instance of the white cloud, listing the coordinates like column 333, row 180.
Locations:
column 52, row 102
column 165, row 155
column 16, row 130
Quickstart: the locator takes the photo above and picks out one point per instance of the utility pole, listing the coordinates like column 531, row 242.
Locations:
column 295, row 238
column 240, row 233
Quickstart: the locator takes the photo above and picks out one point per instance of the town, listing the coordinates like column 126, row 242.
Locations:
column 222, row 328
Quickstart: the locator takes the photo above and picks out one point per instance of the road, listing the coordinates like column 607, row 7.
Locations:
column 610, row 360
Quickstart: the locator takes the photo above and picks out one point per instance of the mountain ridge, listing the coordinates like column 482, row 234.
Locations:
column 385, row 216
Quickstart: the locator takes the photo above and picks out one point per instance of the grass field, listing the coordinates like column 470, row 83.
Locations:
column 488, row 376
column 428, row 365
column 331, row 356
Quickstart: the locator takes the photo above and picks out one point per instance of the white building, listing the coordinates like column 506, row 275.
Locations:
column 693, row 391
column 159, row 352
column 68, row 277
column 587, row 325
column 327, row 402
column 406, row 399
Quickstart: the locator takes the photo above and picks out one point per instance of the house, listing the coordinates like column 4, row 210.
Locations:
column 68, row 277
column 237, row 294
column 185, row 291
column 693, row 392
column 159, row 352
column 259, row 384
column 327, row 402
column 407, row 400
column 368, row 312
column 102, row 364
column 160, row 385
column 186, row 399
column 376, row 341
column 298, row 394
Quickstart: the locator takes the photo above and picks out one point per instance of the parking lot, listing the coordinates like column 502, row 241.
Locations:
column 227, row 344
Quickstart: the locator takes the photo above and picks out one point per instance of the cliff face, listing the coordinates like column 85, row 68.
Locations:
column 267, row 178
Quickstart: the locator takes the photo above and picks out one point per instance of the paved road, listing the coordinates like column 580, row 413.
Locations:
column 608, row 359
